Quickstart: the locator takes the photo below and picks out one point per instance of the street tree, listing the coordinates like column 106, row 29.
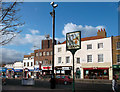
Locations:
column 9, row 21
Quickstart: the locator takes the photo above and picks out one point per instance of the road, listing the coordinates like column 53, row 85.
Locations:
column 14, row 85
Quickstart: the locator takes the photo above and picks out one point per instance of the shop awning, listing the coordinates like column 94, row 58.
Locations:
column 3, row 69
column 10, row 69
column 116, row 66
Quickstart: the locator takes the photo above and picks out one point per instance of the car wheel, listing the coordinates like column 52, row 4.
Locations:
column 65, row 82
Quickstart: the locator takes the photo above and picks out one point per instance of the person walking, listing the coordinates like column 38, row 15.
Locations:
column 114, row 84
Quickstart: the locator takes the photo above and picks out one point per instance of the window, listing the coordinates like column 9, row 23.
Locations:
column 36, row 54
column 89, row 46
column 59, row 59
column 78, row 60
column 100, row 45
column 118, row 58
column 67, row 59
column 40, row 53
column 27, row 63
column 47, row 53
column 36, row 62
column 31, row 63
column 89, row 58
column 43, row 53
column 59, row 49
column 24, row 64
column 28, row 57
column 100, row 57
column 51, row 52
column 118, row 45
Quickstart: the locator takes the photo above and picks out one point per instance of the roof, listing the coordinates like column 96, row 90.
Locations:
column 88, row 38
column 26, row 56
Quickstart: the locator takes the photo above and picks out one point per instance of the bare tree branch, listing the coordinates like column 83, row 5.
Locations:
column 9, row 21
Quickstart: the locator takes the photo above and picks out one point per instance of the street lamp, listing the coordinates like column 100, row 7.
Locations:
column 53, row 42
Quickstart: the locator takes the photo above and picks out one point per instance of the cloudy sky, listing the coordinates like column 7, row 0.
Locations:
column 87, row 17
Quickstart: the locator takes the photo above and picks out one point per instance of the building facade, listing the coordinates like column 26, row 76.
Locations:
column 18, row 69
column 9, row 71
column 43, row 57
column 28, row 66
column 92, row 61
column 116, row 55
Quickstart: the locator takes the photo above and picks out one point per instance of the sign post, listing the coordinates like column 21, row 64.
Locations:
column 73, row 43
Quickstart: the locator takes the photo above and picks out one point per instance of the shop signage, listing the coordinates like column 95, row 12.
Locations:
column 46, row 67
column 66, row 68
column 116, row 66
column 18, row 70
column 73, row 40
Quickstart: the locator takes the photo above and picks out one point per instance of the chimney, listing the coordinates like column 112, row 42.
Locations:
column 101, row 33
column 58, row 42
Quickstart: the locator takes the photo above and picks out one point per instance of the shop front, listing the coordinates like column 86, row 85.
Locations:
column 116, row 71
column 96, row 73
column 3, row 72
column 9, row 72
column 78, row 73
column 18, row 73
column 46, row 71
column 63, row 70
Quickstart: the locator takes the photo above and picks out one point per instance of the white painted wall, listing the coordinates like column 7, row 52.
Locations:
column 83, row 52
column 18, row 65
column 28, row 61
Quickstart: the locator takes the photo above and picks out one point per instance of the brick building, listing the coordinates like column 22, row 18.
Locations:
column 116, row 55
column 43, row 56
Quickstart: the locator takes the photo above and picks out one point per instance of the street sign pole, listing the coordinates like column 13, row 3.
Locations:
column 73, row 43
column 73, row 89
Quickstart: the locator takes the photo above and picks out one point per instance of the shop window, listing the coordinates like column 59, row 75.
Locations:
column 89, row 58
column 100, row 57
column 59, row 59
column 78, row 60
column 118, row 58
column 59, row 49
column 89, row 46
column 118, row 45
column 67, row 59
column 100, row 45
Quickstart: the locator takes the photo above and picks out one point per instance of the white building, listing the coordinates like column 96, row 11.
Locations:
column 28, row 65
column 92, row 61
column 18, row 69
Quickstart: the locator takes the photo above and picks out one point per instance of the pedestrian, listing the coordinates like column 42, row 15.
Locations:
column 114, row 84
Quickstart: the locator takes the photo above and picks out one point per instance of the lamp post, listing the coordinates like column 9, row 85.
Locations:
column 53, row 40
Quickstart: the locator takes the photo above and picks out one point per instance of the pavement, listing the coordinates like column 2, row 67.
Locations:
column 98, row 81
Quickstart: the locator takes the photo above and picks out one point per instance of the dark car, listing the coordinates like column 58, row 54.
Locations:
column 63, row 80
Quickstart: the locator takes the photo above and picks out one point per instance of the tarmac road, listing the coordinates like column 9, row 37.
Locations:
column 14, row 85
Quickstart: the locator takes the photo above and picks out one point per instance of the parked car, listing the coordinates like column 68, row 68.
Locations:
column 63, row 80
